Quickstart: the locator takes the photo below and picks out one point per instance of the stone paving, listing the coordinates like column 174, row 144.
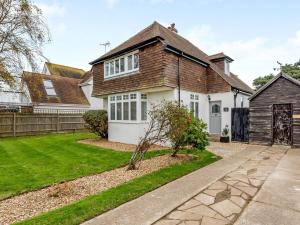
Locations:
column 222, row 202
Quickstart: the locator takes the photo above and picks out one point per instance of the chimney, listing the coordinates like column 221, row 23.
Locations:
column 222, row 61
column 172, row 28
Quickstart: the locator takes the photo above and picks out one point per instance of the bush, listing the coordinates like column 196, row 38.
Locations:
column 97, row 122
column 197, row 136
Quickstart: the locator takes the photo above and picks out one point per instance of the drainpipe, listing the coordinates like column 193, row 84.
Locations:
column 178, row 82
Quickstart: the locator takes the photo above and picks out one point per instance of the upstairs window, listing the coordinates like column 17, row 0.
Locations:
column 123, row 65
column 49, row 88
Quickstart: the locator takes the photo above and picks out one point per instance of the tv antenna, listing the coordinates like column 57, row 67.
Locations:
column 106, row 44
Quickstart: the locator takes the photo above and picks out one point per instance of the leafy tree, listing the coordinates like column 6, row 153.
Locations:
column 97, row 122
column 23, row 32
column 290, row 69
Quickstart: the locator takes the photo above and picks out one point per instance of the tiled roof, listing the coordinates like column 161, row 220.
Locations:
column 86, row 77
column 168, row 37
column 220, row 55
column 65, row 71
column 67, row 89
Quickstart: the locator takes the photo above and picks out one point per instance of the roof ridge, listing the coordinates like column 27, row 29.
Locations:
column 49, row 76
column 71, row 67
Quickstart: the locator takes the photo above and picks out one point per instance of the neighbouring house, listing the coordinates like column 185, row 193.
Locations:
column 157, row 64
column 275, row 112
column 13, row 98
column 61, row 89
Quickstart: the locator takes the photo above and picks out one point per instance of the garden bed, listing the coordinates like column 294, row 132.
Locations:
column 34, row 203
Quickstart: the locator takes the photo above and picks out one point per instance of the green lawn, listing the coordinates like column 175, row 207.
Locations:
column 92, row 206
column 28, row 163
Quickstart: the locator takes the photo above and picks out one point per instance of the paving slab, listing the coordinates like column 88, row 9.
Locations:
column 152, row 206
column 278, row 201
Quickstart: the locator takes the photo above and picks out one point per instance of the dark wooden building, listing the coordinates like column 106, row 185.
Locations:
column 275, row 112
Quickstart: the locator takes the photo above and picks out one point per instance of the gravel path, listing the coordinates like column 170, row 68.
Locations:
column 104, row 143
column 33, row 203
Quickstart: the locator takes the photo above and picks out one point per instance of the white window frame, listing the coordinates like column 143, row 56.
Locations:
column 195, row 98
column 106, row 72
column 112, row 99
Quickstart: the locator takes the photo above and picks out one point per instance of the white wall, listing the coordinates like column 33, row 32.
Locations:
column 95, row 103
column 239, row 98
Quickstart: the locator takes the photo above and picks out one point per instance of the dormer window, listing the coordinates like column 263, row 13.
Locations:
column 226, row 67
column 122, row 65
column 49, row 88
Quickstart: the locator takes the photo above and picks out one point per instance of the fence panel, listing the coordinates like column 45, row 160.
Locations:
column 22, row 124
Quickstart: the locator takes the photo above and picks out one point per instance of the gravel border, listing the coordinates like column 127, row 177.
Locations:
column 117, row 146
column 33, row 203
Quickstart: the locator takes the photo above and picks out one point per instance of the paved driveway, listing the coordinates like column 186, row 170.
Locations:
column 255, row 185
column 278, row 201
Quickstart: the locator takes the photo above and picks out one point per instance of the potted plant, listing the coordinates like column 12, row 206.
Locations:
column 225, row 135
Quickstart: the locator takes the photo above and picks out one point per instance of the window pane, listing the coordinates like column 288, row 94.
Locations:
column 50, row 91
column 112, row 98
column 143, row 110
column 112, row 111
column 196, row 97
column 192, row 96
column 125, row 110
column 122, row 65
column 216, row 109
column 112, row 68
column 196, row 109
column 136, row 61
column 106, row 73
column 119, row 97
column 143, row 96
column 125, row 97
column 119, row 111
column 129, row 62
column 132, row 96
column 48, row 83
column 117, row 66
column 133, row 110
column 192, row 107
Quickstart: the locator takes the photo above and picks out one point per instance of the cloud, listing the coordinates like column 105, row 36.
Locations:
column 50, row 10
column 253, row 57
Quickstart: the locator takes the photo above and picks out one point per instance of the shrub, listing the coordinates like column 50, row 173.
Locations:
column 197, row 135
column 96, row 122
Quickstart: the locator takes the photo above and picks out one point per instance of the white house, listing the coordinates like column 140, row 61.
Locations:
column 157, row 64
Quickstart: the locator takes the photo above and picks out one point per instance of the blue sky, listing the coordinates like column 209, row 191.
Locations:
column 254, row 33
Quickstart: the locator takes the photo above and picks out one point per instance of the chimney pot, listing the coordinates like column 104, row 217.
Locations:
column 172, row 28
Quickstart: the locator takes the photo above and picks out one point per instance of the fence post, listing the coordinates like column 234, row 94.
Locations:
column 14, row 124
column 57, row 122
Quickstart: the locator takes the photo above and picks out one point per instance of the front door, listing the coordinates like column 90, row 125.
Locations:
column 282, row 124
column 215, row 117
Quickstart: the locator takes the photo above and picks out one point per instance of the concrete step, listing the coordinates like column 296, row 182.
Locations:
column 214, row 137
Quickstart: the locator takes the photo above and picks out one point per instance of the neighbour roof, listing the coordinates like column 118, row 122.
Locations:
column 64, row 71
column 86, row 77
column 220, row 55
column 67, row 89
column 168, row 37
column 293, row 80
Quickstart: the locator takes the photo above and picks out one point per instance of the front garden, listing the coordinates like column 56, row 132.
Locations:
column 57, row 179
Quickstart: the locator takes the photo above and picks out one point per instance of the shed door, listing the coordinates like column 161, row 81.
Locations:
column 215, row 117
column 282, row 124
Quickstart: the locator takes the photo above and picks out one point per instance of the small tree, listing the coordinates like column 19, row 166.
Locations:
column 97, row 122
column 167, row 122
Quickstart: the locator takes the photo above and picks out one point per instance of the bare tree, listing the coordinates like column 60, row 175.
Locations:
column 23, row 32
column 155, row 133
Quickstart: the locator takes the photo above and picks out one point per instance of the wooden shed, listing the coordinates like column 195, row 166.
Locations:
column 275, row 112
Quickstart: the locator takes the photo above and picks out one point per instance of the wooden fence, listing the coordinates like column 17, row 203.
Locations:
column 22, row 124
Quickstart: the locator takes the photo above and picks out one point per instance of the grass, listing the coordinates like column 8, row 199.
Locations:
column 29, row 163
column 92, row 206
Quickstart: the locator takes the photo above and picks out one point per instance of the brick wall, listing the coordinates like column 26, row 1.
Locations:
column 149, row 75
column 215, row 83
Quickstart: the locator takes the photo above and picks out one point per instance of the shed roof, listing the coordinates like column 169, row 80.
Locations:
column 281, row 74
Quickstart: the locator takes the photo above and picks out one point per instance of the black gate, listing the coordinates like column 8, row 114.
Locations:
column 240, row 124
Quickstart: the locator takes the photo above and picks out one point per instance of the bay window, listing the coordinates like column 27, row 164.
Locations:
column 122, row 65
column 128, row 107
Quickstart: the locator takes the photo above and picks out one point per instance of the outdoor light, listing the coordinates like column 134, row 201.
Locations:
column 208, row 96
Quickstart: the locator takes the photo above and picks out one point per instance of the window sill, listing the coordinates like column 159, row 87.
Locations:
column 128, row 122
column 122, row 75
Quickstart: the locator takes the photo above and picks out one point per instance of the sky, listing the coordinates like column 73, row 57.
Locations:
column 255, row 33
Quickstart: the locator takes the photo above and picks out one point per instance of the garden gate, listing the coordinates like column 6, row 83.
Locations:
column 240, row 124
